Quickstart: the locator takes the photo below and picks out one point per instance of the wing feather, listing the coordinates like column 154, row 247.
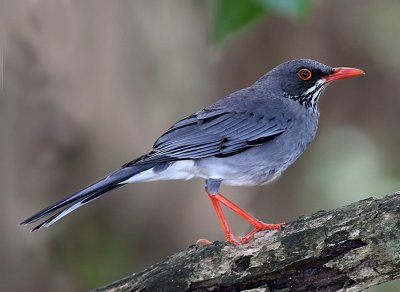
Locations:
column 214, row 133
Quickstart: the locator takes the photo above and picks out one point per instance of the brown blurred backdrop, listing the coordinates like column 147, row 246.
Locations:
column 89, row 85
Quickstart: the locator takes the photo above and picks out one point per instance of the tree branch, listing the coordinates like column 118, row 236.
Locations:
column 350, row 248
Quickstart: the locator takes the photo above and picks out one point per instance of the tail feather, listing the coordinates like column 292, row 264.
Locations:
column 84, row 196
column 53, row 219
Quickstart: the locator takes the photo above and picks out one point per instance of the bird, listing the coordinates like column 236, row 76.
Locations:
column 248, row 138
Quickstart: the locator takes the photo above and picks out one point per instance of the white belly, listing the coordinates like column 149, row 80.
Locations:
column 183, row 169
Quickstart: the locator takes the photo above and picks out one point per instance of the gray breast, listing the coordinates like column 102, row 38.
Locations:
column 263, row 163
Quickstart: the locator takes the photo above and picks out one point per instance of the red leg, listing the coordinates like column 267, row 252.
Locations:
column 218, row 198
column 222, row 220
column 246, row 216
column 246, row 238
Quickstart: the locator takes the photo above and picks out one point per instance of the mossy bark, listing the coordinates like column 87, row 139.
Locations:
column 347, row 249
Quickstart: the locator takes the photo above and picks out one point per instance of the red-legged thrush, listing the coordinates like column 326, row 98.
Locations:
column 246, row 138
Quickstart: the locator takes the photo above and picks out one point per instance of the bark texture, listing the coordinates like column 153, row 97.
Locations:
column 347, row 249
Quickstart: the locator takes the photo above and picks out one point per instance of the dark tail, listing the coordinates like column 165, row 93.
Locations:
column 86, row 195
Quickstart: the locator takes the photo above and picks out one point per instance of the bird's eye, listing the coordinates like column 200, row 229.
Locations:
column 304, row 74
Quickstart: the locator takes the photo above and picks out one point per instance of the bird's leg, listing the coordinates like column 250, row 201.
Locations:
column 222, row 219
column 258, row 225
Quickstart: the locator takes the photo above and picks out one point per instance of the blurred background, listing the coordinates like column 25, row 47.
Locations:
column 89, row 85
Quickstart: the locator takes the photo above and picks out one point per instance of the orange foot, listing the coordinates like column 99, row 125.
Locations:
column 218, row 199
column 265, row 226
column 203, row 241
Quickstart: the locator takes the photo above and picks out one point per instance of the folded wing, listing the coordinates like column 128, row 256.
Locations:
column 214, row 132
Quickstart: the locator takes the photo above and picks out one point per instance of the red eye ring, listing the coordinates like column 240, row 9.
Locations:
column 304, row 74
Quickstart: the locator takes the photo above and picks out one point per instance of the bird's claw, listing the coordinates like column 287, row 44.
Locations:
column 264, row 226
column 203, row 241
column 234, row 241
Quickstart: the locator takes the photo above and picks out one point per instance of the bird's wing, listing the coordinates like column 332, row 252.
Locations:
column 214, row 132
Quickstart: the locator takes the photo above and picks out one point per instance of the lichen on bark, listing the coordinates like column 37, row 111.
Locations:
column 347, row 249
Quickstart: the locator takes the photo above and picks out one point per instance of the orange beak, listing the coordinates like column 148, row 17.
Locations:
column 343, row 72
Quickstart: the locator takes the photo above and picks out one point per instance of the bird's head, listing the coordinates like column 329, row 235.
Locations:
column 304, row 80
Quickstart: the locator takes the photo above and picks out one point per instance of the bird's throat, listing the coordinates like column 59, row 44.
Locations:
column 310, row 97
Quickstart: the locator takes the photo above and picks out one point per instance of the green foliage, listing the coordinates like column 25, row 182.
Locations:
column 298, row 9
column 234, row 15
